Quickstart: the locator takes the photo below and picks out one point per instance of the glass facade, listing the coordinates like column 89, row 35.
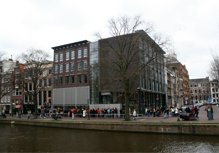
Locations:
column 94, row 72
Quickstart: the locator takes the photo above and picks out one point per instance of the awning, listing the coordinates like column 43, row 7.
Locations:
column 18, row 106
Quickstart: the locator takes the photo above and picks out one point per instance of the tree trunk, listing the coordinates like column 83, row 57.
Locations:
column 35, row 105
column 127, row 116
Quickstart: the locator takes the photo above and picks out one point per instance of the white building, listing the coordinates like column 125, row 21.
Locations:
column 214, row 84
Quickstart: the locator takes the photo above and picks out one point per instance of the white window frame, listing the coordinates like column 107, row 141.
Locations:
column 67, row 55
column 85, row 52
column 56, row 68
column 60, row 68
column 56, row 57
column 72, row 67
column 67, row 67
column 61, row 57
column 72, row 54
column 79, row 53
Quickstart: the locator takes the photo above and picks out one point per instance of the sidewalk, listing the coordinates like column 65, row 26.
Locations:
column 202, row 118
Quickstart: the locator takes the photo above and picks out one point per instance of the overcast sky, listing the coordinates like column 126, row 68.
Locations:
column 192, row 25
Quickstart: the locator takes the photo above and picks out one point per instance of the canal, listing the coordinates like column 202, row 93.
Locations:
column 14, row 138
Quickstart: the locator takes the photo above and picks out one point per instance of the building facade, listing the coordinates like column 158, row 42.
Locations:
column 42, row 89
column 214, row 86
column 178, row 84
column 148, row 86
column 6, row 84
column 199, row 90
column 170, row 88
column 71, row 75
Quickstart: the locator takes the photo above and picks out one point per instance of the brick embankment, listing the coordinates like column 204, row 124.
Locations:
column 144, row 124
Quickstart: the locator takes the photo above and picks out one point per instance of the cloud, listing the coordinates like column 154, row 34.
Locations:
column 193, row 25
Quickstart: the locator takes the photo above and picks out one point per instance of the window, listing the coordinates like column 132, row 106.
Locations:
column 50, row 82
column 30, row 86
column 50, row 71
column 79, row 78
column 72, row 79
column 16, row 91
column 67, row 67
column 85, row 64
column 85, row 78
column 26, row 98
column 49, row 93
column 45, row 82
column 56, row 80
column 72, row 54
column 56, row 57
column 60, row 80
column 60, row 68
column 56, row 68
column 72, row 67
column 80, row 65
column 85, row 52
column 66, row 79
column 61, row 57
column 44, row 96
column 79, row 53
column 40, row 83
column 40, row 98
column 67, row 55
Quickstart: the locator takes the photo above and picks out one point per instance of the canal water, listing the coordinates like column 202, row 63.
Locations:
column 14, row 138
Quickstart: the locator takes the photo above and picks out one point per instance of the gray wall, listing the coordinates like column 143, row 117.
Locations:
column 71, row 96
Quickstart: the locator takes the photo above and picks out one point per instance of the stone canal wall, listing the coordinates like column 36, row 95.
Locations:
column 148, row 127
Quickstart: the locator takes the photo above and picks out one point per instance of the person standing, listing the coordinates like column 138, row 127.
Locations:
column 209, row 110
column 84, row 113
column 134, row 114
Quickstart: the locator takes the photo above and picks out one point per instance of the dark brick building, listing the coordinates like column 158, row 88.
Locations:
column 71, row 63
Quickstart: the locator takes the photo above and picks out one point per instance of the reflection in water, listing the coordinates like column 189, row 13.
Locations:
column 41, row 139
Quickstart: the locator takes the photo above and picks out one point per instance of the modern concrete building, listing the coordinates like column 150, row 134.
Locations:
column 148, row 86
column 71, row 71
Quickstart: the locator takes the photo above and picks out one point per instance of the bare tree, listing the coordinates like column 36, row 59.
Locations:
column 126, row 56
column 214, row 69
column 35, row 68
